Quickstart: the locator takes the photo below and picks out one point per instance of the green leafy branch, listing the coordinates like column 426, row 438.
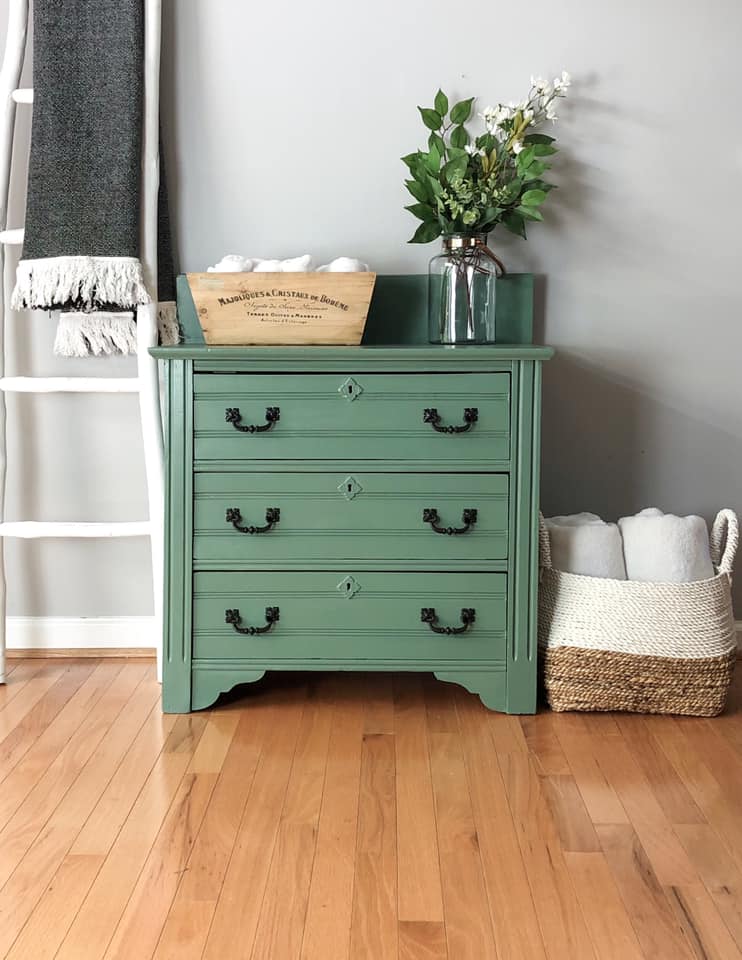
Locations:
column 470, row 184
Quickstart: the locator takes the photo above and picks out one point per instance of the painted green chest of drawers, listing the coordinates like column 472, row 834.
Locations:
column 352, row 508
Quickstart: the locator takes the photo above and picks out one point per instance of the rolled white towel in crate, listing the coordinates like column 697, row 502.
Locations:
column 344, row 265
column 584, row 544
column 268, row 266
column 663, row 548
column 303, row 264
column 233, row 263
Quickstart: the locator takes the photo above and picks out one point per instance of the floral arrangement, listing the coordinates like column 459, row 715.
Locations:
column 467, row 185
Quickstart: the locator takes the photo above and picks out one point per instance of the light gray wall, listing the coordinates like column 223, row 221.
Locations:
column 283, row 126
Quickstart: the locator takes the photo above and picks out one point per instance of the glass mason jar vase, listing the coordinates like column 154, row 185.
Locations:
column 462, row 291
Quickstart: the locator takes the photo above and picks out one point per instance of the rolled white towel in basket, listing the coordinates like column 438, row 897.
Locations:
column 664, row 548
column 583, row 543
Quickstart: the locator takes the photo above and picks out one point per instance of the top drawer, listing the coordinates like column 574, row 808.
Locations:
column 458, row 420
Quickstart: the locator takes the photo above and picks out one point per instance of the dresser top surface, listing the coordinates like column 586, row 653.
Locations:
column 492, row 353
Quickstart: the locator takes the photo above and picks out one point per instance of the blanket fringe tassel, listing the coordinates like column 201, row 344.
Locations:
column 88, row 282
column 95, row 334
column 102, row 333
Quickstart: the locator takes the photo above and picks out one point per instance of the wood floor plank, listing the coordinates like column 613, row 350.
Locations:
column 142, row 922
column 720, row 873
column 601, row 800
column 507, row 733
column 440, row 716
column 708, row 854
column 574, row 826
column 709, row 795
column 469, row 931
column 144, row 917
column 17, row 744
column 422, row 940
column 718, row 754
column 374, row 932
column 505, row 875
column 605, row 914
column 654, row 921
column 238, row 909
column 185, row 930
column 563, row 928
column 419, row 876
column 704, row 928
column 45, row 758
column 96, row 921
column 129, row 706
column 665, row 852
column 671, row 793
column 544, row 746
column 216, row 742
column 379, row 693
column 104, row 823
column 283, row 913
column 17, row 679
column 330, row 907
column 573, row 722
column 10, row 666
column 599, row 724
column 48, row 793
column 192, row 911
column 49, row 922
column 15, row 709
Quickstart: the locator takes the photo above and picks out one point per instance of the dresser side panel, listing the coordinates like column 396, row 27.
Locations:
column 522, row 646
column 176, row 688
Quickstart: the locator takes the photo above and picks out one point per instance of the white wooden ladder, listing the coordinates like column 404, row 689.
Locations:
column 145, row 383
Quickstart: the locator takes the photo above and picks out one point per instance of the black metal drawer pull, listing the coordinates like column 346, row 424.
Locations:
column 431, row 416
column 272, row 416
column 272, row 516
column 428, row 615
column 272, row 615
column 468, row 518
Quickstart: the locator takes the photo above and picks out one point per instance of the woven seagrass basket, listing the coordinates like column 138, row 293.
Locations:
column 641, row 647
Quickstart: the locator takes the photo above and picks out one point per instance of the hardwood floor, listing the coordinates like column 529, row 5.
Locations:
column 358, row 817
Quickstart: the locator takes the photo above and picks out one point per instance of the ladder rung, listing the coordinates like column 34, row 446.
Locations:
column 35, row 529
column 69, row 384
column 23, row 95
column 12, row 238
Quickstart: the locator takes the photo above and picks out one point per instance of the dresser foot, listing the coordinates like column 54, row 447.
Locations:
column 207, row 685
column 489, row 685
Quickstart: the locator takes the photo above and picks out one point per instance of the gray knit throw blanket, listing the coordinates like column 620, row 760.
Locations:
column 81, row 242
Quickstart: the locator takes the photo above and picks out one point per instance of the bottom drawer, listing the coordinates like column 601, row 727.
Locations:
column 349, row 615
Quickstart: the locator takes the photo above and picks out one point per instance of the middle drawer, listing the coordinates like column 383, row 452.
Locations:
column 315, row 517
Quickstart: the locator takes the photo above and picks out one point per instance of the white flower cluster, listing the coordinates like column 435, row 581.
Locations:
column 539, row 106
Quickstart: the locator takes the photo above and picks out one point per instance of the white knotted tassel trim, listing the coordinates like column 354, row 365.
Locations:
column 167, row 322
column 87, row 281
column 95, row 334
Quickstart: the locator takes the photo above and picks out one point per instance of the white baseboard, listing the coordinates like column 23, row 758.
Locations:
column 80, row 633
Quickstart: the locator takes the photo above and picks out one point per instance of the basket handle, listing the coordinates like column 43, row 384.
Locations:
column 724, row 540
column 544, row 543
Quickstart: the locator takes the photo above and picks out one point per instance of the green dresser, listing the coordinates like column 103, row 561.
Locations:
column 352, row 508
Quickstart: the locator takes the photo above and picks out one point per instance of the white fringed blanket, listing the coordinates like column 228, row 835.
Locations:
column 82, row 229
